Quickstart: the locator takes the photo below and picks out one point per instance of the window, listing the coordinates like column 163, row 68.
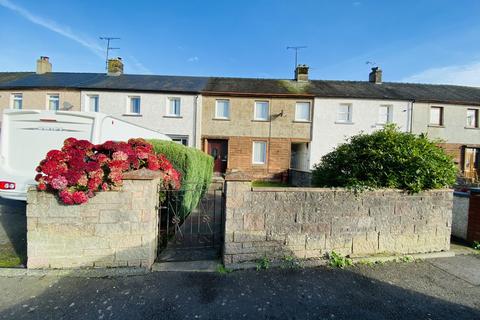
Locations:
column 259, row 152
column 385, row 114
column 134, row 105
column 53, row 102
column 344, row 113
column 93, row 103
column 222, row 109
column 173, row 109
column 181, row 140
column 472, row 118
column 261, row 110
column 17, row 101
column 302, row 111
column 436, row 116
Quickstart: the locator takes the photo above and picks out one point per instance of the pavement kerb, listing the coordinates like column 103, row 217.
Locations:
column 194, row 266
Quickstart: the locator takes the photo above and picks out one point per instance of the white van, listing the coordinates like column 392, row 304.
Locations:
column 27, row 136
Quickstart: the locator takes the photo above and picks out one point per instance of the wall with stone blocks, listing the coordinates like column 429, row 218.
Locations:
column 309, row 222
column 114, row 229
column 460, row 214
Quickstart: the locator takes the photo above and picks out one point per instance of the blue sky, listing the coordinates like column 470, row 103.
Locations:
column 433, row 41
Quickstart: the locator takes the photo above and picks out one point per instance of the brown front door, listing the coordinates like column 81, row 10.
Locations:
column 218, row 149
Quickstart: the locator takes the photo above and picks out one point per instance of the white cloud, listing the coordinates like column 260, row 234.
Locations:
column 467, row 74
column 137, row 65
column 53, row 26
column 193, row 59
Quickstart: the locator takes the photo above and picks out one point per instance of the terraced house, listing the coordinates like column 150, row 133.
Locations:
column 262, row 127
column 169, row 104
column 258, row 126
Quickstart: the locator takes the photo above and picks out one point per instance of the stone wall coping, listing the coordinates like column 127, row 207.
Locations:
column 296, row 189
column 300, row 170
column 238, row 176
column 142, row 174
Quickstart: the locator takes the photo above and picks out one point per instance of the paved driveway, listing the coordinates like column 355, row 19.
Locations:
column 420, row 290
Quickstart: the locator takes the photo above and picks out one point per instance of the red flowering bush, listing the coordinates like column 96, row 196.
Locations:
column 81, row 168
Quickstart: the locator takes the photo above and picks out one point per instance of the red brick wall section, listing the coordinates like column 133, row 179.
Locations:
column 473, row 229
column 240, row 157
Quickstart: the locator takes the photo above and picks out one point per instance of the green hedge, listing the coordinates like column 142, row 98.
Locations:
column 196, row 168
column 386, row 158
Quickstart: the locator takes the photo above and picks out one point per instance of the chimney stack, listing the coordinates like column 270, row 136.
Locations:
column 301, row 72
column 115, row 67
column 43, row 65
column 375, row 75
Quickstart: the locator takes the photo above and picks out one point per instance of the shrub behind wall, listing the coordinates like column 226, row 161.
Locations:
column 386, row 158
column 195, row 166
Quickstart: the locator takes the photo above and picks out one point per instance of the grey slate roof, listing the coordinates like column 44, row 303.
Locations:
column 244, row 86
column 101, row 81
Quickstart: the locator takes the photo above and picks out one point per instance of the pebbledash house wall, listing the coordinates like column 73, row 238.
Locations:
column 114, row 229
column 453, row 132
column 328, row 132
column 37, row 99
column 307, row 223
column 153, row 111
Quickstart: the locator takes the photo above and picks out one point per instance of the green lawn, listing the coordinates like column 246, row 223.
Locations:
column 269, row 184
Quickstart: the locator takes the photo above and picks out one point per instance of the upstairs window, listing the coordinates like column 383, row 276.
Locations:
column 173, row 109
column 472, row 118
column 302, row 111
column 259, row 152
column 261, row 110
column 53, row 102
column 436, row 116
column 93, row 104
column 134, row 105
column 17, row 101
column 385, row 114
column 344, row 113
column 222, row 109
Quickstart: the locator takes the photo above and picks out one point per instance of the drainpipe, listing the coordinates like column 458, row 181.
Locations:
column 194, row 136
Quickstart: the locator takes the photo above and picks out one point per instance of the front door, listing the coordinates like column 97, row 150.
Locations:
column 218, row 149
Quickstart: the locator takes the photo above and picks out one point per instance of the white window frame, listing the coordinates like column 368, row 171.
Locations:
column 169, row 101
column 89, row 106
column 264, row 143
column 297, row 119
column 441, row 116
column 49, row 99
column 13, row 98
column 259, row 102
column 475, row 119
column 389, row 114
column 129, row 105
column 349, row 113
column 216, row 109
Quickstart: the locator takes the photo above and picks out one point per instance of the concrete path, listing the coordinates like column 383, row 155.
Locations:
column 466, row 268
column 419, row 290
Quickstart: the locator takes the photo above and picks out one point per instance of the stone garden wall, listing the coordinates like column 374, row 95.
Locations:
column 309, row 222
column 114, row 229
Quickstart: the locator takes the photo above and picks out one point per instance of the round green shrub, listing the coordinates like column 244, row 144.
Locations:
column 386, row 158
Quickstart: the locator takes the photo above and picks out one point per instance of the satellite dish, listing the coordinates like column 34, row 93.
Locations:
column 67, row 105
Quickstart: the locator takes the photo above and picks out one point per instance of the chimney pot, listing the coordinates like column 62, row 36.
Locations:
column 43, row 65
column 375, row 75
column 301, row 72
column 115, row 67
